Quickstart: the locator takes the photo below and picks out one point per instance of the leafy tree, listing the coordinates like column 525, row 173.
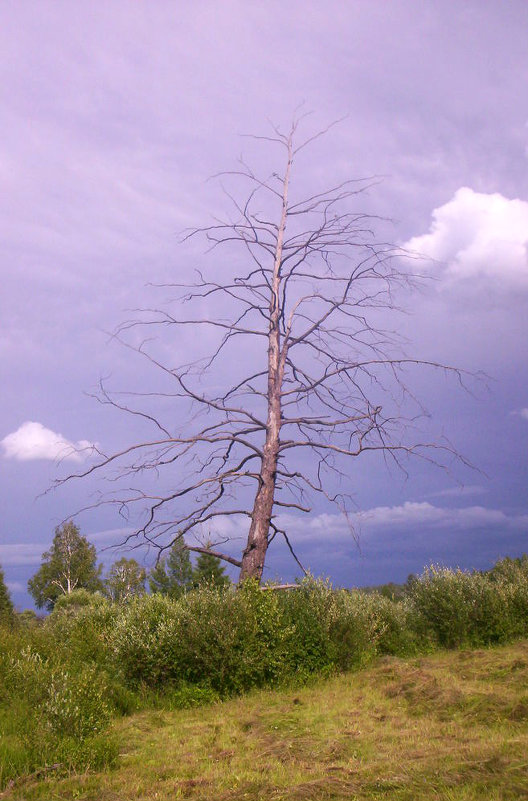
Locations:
column 209, row 570
column 6, row 604
column 125, row 579
column 173, row 574
column 69, row 564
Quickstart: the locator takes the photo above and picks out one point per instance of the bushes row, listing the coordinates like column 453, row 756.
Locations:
column 454, row 608
column 233, row 640
column 63, row 680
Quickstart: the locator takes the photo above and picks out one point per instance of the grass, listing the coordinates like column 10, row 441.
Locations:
column 451, row 726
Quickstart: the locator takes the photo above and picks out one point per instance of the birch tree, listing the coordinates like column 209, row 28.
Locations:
column 313, row 377
column 126, row 578
column 70, row 564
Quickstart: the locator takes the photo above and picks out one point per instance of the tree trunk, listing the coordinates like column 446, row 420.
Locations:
column 257, row 544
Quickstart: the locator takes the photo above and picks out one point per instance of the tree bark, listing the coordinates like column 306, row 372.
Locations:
column 254, row 554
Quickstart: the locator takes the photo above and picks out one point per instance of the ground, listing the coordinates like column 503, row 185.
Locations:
column 451, row 726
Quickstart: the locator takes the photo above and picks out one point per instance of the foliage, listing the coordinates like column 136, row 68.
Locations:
column 53, row 709
column 238, row 639
column 209, row 570
column 6, row 604
column 63, row 679
column 173, row 574
column 77, row 600
column 69, row 564
column 395, row 592
column 125, row 579
column 75, row 704
column 28, row 618
column 456, row 608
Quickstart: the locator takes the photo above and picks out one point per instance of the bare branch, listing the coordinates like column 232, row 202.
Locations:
column 297, row 363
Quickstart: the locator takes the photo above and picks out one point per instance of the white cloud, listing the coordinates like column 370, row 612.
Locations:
column 411, row 514
column 478, row 235
column 111, row 535
column 424, row 513
column 458, row 492
column 520, row 413
column 35, row 441
column 21, row 553
column 15, row 586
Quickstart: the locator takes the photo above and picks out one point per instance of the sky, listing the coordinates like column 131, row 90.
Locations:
column 116, row 114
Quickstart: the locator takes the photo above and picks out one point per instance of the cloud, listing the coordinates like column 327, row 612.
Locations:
column 409, row 515
column 458, row 492
column 423, row 513
column 109, row 544
column 477, row 235
column 35, row 441
column 21, row 553
column 111, row 535
column 523, row 413
column 15, row 586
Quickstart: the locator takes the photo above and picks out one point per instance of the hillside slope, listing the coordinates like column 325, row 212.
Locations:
column 449, row 726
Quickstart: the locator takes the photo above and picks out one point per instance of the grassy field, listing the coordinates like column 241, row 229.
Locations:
column 449, row 726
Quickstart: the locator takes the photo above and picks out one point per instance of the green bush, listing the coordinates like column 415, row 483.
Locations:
column 229, row 640
column 75, row 704
column 145, row 640
column 232, row 640
column 185, row 696
column 457, row 608
column 82, row 634
column 77, row 600
column 51, row 710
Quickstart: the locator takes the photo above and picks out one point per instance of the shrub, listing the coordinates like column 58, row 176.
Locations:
column 229, row 640
column 77, row 600
column 81, row 634
column 51, row 710
column 185, row 696
column 145, row 639
column 75, row 704
column 63, row 678
column 456, row 608
column 340, row 629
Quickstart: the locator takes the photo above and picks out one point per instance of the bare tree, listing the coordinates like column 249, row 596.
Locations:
column 324, row 383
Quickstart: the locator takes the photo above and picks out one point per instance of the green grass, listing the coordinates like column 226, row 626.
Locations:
column 451, row 726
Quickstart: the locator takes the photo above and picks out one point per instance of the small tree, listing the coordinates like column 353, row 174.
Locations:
column 70, row 564
column 173, row 574
column 209, row 570
column 125, row 579
column 6, row 604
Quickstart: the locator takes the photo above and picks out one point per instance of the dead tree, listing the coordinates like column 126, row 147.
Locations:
column 324, row 385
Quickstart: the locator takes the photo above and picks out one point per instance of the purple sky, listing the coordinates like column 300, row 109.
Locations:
column 114, row 114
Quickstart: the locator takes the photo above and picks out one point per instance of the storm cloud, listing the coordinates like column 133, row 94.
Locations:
column 116, row 115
